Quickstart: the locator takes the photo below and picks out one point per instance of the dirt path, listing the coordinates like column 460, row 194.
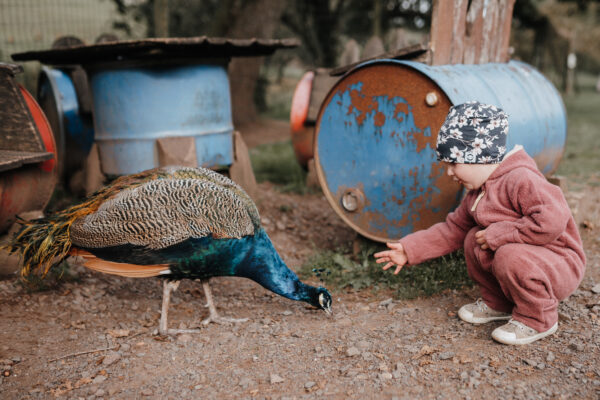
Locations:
column 92, row 338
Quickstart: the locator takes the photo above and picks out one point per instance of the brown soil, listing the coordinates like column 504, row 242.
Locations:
column 93, row 338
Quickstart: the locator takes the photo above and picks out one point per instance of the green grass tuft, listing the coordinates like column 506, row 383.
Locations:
column 276, row 163
column 342, row 271
column 580, row 162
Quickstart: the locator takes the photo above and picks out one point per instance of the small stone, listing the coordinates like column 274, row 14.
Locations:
column 287, row 313
column 280, row 225
column 352, row 351
column 245, row 382
column 596, row 288
column 276, row 379
column 550, row 357
column 111, row 358
column 99, row 379
column 529, row 362
column 446, row 355
column 147, row 392
column 184, row 338
column 576, row 365
column 541, row 365
column 385, row 376
column 309, row 385
column 99, row 393
column 363, row 344
column 464, row 376
column 386, row 302
column 576, row 346
column 344, row 321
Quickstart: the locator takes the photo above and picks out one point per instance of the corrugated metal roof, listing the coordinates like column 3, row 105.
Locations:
column 159, row 48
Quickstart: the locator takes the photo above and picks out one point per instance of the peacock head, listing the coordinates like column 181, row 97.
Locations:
column 323, row 300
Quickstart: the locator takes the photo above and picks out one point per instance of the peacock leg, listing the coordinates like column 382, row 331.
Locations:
column 168, row 287
column 214, row 316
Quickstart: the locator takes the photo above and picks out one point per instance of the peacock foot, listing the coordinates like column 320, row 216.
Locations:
column 173, row 332
column 217, row 319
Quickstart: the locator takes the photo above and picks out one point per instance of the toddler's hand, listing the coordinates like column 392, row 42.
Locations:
column 396, row 256
column 481, row 240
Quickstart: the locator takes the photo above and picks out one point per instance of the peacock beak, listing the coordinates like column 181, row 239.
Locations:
column 328, row 310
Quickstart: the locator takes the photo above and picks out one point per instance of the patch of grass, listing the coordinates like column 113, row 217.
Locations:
column 580, row 162
column 276, row 163
column 342, row 271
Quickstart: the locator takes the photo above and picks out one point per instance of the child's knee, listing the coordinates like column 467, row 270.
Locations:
column 508, row 260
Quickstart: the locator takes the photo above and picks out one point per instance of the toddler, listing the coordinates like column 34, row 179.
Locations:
column 520, row 241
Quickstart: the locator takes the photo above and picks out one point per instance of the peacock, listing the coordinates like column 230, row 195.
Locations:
column 170, row 222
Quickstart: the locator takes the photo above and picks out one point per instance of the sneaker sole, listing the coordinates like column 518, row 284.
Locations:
column 497, row 337
column 467, row 316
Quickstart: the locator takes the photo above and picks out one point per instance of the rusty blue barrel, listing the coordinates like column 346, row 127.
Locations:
column 377, row 128
column 134, row 106
column 73, row 129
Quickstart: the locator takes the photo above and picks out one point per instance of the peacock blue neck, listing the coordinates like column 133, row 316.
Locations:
column 263, row 265
column 252, row 257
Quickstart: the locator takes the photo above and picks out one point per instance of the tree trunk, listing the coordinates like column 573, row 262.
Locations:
column 258, row 19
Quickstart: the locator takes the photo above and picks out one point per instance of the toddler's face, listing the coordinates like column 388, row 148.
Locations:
column 471, row 176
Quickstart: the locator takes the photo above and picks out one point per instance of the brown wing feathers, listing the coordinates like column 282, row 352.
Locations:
column 155, row 208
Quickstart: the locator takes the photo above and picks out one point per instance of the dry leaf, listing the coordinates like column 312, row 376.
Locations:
column 119, row 333
column 425, row 350
column 81, row 382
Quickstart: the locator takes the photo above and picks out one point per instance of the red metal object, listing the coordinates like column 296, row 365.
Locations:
column 302, row 134
column 29, row 187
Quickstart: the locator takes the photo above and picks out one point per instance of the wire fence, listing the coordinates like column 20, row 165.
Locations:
column 35, row 24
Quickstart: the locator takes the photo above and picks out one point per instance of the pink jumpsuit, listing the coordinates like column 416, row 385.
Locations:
column 536, row 257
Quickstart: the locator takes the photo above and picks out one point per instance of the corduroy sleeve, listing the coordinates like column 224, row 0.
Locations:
column 442, row 238
column 545, row 213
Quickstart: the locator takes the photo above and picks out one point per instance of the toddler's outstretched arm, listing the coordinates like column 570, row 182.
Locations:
column 396, row 256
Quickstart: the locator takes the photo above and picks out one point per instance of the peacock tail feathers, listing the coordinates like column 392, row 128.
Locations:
column 155, row 208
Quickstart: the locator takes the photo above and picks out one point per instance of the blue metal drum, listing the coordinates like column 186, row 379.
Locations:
column 376, row 132
column 135, row 106
column 73, row 130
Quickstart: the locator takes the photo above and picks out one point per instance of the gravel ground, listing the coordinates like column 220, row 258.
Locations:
column 92, row 338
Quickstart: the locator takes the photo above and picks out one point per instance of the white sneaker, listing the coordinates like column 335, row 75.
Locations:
column 480, row 313
column 516, row 332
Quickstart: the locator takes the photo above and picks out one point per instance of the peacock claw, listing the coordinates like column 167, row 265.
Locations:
column 223, row 320
column 180, row 331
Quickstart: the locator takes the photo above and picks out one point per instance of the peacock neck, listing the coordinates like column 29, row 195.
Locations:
column 264, row 266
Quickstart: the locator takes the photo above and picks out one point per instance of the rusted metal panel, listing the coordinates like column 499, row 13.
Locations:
column 14, row 159
column 505, row 21
column 158, row 48
column 442, row 31
column 474, row 32
column 376, row 134
column 27, row 152
column 17, row 129
column 459, row 28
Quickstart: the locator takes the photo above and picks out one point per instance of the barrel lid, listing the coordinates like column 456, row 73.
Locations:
column 375, row 151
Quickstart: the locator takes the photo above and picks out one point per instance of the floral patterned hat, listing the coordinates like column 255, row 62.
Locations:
column 473, row 133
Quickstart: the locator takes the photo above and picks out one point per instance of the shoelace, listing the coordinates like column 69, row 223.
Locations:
column 520, row 325
column 481, row 304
